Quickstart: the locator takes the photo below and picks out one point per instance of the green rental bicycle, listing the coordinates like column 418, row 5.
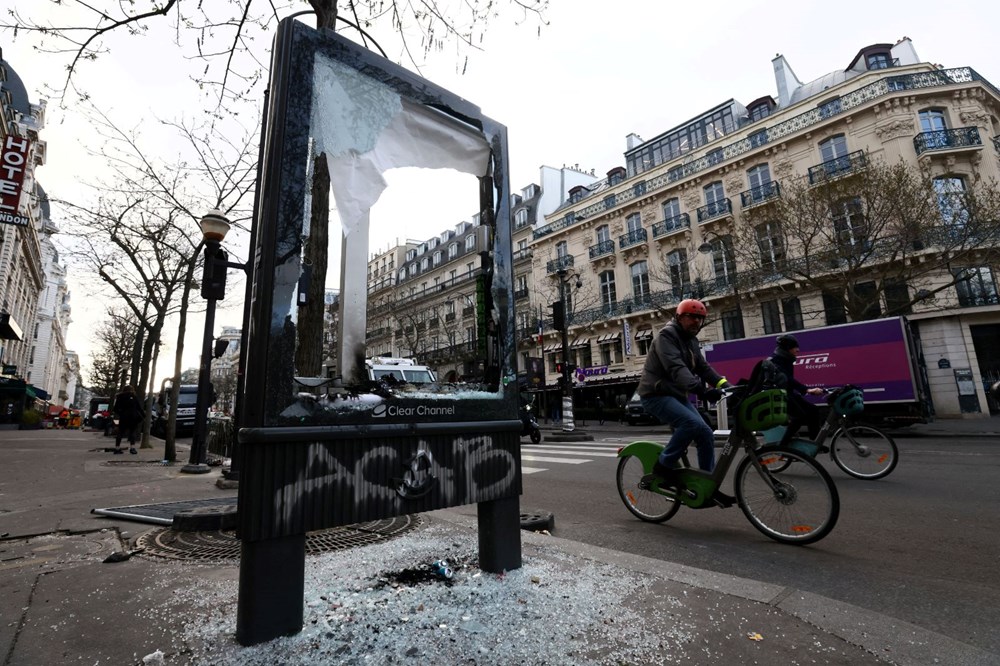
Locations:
column 797, row 508
column 862, row 451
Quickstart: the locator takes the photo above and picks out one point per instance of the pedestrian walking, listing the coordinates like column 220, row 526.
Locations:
column 130, row 414
column 600, row 410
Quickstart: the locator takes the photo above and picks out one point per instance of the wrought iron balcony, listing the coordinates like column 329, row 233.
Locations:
column 634, row 237
column 947, row 139
column 561, row 263
column 671, row 224
column 837, row 167
column 715, row 210
column 521, row 255
column 760, row 194
column 520, row 293
column 601, row 249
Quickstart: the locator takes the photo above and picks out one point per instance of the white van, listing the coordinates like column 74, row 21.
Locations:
column 401, row 369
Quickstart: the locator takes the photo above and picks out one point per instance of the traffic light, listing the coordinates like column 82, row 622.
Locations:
column 558, row 316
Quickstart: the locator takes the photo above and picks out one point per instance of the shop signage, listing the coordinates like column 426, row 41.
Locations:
column 13, row 160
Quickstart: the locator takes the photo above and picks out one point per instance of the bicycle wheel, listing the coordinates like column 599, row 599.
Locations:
column 864, row 452
column 643, row 503
column 803, row 506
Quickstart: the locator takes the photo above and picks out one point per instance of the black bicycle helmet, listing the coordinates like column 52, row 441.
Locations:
column 787, row 342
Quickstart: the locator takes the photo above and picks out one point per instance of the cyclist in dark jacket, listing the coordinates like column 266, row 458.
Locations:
column 674, row 369
column 800, row 411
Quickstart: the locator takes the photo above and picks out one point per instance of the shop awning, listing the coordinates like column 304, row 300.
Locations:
column 552, row 348
column 9, row 330
column 41, row 393
column 30, row 390
column 581, row 342
column 644, row 334
column 608, row 337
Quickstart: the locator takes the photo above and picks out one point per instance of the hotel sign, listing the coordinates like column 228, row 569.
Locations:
column 13, row 160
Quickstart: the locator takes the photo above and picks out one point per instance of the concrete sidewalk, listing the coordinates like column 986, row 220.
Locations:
column 569, row 604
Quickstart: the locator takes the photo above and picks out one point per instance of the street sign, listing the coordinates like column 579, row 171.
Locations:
column 10, row 369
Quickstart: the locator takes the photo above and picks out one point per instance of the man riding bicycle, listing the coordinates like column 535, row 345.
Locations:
column 800, row 411
column 674, row 369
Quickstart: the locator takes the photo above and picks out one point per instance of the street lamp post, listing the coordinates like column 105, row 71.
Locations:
column 567, row 384
column 214, row 227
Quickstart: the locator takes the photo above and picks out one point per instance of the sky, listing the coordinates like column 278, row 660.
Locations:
column 568, row 95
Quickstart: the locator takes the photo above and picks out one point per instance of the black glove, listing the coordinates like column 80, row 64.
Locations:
column 712, row 395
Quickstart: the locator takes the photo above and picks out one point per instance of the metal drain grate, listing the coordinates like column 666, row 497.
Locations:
column 223, row 544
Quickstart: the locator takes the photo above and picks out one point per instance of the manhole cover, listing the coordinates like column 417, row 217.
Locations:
column 223, row 544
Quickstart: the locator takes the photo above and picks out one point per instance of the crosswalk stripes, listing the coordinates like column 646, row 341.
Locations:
column 562, row 454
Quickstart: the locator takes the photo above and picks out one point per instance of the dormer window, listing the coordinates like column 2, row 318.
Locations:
column 411, row 254
column 576, row 193
column 470, row 242
column 616, row 176
column 521, row 217
column 529, row 191
column 879, row 61
column 452, row 250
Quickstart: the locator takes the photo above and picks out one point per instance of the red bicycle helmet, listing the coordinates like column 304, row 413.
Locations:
column 692, row 307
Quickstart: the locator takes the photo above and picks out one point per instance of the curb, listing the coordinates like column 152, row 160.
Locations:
column 886, row 637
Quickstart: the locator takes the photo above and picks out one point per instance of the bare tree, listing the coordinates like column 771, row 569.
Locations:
column 139, row 233
column 113, row 340
column 885, row 233
column 232, row 38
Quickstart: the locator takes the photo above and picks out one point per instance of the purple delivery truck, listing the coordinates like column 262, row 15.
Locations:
column 877, row 356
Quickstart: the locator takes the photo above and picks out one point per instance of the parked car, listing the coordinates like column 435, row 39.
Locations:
column 635, row 414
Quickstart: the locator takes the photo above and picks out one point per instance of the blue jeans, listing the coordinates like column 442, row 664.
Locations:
column 688, row 427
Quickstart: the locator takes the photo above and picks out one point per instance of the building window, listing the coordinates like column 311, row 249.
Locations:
column 759, row 176
column 792, row 310
column 424, row 264
column 879, row 61
column 452, row 250
column 771, row 316
column 521, row 217
column 411, row 254
column 639, row 188
column 714, row 156
column 848, row 223
column 723, row 261
column 671, row 209
column 608, row 296
column 413, row 269
column 760, row 112
column 897, row 297
column 677, row 271
column 640, row 281
column 562, row 249
column 732, row 324
column 950, row 193
column 834, row 310
column 772, row 250
column 470, row 242
column 714, row 193
column 867, row 294
column 633, row 222
column 976, row 286
column 833, row 148
column 603, row 234
column 437, row 258
column 611, row 352
column 609, row 201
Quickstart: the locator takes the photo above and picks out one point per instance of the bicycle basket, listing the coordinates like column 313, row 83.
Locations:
column 849, row 401
column 763, row 410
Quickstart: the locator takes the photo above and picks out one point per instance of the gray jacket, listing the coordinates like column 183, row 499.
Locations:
column 675, row 366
